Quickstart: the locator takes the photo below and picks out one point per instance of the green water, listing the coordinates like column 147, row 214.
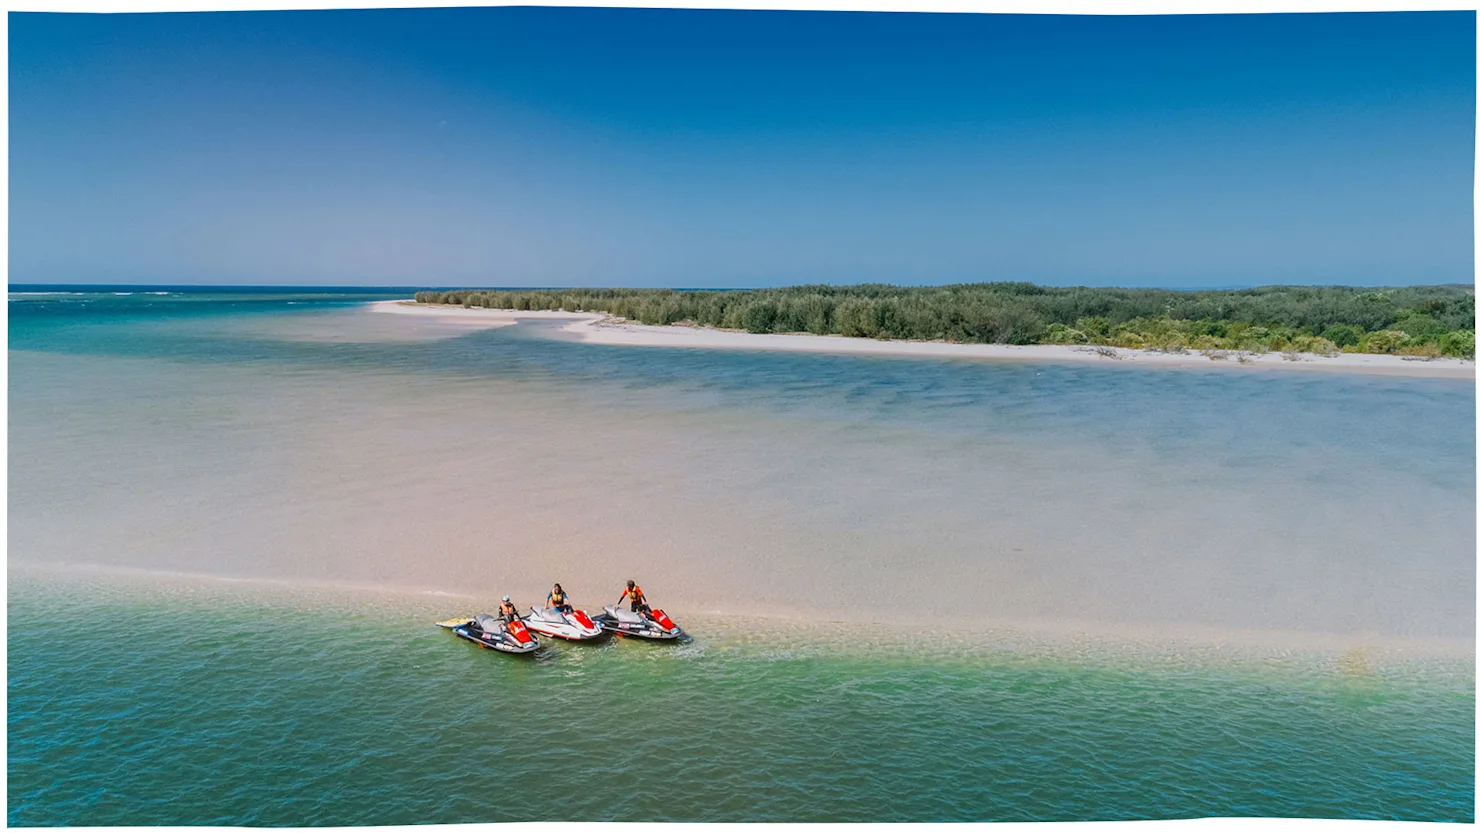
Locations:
column 210, row 705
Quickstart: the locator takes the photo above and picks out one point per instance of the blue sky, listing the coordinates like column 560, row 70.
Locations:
column 650, row 147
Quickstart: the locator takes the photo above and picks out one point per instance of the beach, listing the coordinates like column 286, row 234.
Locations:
column 605, row 329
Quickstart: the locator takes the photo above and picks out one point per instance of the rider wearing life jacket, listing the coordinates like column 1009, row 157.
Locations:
column 507, row 611
column 557, row 599
column 633, row 592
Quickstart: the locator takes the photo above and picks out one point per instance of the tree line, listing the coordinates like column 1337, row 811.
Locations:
column 1416, row 320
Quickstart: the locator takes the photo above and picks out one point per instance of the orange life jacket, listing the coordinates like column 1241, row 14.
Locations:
column 635, row 594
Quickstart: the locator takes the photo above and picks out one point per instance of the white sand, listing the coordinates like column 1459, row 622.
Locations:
column 476, row 318
column 598, row 328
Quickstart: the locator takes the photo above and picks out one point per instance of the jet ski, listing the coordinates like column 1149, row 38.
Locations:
column 575, row 626
column 655, row 624
column 492, row 632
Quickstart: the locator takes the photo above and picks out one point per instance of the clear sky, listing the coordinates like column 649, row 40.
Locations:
column 640, row 147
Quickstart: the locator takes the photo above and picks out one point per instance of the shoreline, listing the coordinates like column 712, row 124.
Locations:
column 1037, row 637
column 605, row 329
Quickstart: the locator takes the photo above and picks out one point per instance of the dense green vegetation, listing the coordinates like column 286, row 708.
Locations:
column 1417, row 321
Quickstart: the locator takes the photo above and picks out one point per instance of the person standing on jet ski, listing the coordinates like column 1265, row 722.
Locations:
column 507, row 611
column 557, row 600
column 633, row 592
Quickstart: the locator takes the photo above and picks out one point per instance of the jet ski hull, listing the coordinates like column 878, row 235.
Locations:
column 503, row 642
column 646, row 629
column 645, row 634
column 574, row 627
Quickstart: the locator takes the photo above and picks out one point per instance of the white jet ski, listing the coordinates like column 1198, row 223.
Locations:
column 575, row 625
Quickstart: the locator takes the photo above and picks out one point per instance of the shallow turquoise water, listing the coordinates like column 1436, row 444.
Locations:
column 209, row 706
column 292, row 437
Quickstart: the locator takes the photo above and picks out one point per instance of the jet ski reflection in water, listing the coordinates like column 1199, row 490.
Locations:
column 641, row 621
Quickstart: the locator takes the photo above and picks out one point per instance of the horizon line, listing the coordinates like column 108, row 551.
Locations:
column 536, row 288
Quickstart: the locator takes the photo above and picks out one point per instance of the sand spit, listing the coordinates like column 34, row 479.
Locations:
column 477, row 318
column 597, row 328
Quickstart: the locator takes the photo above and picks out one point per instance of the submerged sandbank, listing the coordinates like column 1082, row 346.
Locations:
column 863, row 631
column 600, row 328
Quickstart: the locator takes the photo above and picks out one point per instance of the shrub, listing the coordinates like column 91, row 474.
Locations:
column 1320, row 346
column 1095, row 327
column 1255, row 337
column 1419, row 327
column 855, row 317
column 816, row 314
column 1425, row 349
column 1382, row 341
column 759, row 317
column 1064, row 334
column 1342, row 335
column 1458, row 343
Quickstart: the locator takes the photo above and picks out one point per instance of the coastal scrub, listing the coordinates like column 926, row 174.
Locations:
column 1326, row 320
